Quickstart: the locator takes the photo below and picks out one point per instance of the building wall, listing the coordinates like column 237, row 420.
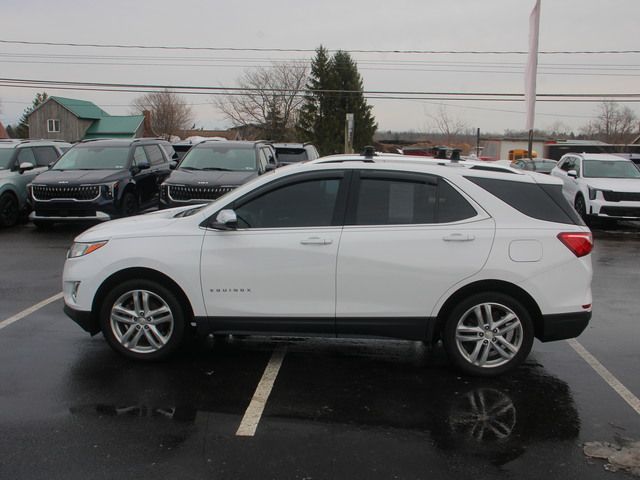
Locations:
column 72, row 128
column 499, row 149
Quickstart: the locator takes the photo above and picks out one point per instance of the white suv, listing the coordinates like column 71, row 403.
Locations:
column 346, row 246
column 600, row 185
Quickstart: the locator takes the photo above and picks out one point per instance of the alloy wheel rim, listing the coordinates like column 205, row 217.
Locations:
column 141, row 321
column 489, row 335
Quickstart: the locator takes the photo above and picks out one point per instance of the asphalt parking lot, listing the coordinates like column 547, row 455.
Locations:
column 323, row 409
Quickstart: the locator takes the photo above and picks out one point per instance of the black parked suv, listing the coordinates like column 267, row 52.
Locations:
column 99, row 180
column 288, row 153
column 214, row 167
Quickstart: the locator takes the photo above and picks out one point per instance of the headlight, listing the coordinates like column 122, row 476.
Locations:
column 592, row 193
column 79, row 249
column 111, row 189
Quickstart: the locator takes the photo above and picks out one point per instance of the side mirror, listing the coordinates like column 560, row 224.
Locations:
column 270, row 167
column 24, row 166
column 144, row 165
column 572, row 174
column 173, row 164
column 50, row 165
column 225, row 220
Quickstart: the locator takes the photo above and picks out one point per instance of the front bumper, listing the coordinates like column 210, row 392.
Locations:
column 563, row 326
column 606, row 209
column 87, row 320
column 100, row 210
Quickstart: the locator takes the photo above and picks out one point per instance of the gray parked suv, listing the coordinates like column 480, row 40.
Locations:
column 20, row 162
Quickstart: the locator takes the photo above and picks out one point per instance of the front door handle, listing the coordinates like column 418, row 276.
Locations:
column 316, row 241
column 458, row 237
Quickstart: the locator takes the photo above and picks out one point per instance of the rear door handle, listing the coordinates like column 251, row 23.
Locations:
column 458, row 237
column 316, row 241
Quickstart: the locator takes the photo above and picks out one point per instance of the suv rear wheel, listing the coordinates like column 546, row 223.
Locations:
column 142, row 320
column 488, row 334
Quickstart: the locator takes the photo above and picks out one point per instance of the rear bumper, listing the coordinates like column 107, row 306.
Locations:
column 563, row 326
column 86, row 320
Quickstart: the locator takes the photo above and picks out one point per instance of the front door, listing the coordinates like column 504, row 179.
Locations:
column 276, row 272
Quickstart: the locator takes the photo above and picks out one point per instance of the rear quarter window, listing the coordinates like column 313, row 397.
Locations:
column 542, row 202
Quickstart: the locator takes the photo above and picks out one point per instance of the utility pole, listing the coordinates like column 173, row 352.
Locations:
column 348, row 133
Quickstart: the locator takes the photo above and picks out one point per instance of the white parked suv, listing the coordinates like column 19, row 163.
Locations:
column 600, row 185
column 346, row 246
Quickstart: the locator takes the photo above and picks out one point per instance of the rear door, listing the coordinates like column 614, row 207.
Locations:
column 407, row 239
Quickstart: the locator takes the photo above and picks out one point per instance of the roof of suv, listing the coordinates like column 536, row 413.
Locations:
column 607, row 157
column 419, row 160
column 121, row 141
column 13, row 142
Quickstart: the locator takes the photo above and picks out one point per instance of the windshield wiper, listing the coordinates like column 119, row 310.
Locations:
column 218, row 168
column 189, row 168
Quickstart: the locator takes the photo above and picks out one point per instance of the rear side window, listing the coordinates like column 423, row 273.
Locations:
column 543, row 202
column 402, row 201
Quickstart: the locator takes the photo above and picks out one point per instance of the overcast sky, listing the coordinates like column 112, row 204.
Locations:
column 349, row 25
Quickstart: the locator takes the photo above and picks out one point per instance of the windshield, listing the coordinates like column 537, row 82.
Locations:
column 220, row 158
column 290, row 155
column 5, row 157
column 94, row 158
column 610, row 169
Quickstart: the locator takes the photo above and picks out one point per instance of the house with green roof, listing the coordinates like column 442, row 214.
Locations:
column 70, row 119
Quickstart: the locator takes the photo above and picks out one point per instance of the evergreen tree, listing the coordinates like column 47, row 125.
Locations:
column 350, row 80
column 322, row 118
column 22, row 130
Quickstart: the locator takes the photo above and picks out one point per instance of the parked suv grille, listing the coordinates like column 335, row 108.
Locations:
column 621, row 211
column 621, row 196
column 82, row 193
column 183, row 193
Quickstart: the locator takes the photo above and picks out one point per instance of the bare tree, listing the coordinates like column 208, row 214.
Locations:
column 451, row 128
column 170, row 114
column 270, row 99
column 614, row 124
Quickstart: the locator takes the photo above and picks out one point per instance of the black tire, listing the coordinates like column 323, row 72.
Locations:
column 129, row 204
column 9, row 210
column 518, row 332
column 581, row 207
column 170, row 334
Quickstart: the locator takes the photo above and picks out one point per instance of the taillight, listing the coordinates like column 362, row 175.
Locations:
column 580, row 243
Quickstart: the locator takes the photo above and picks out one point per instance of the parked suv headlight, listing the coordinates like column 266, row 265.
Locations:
column 592, row 193
column 110, row 189
column 79, row 249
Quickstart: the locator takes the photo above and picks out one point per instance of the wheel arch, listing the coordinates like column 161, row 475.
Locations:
column 484, row 286
column 143, row 273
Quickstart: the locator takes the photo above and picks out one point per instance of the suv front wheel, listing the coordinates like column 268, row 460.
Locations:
column 142, row 320
column 488, row 334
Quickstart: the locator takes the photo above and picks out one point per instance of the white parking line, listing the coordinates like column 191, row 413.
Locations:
column 252, row 416
column 606, row 375
column 29, row 311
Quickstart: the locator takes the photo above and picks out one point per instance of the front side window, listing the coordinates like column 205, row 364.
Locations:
column 154, row 154
column 388, row 201
column 45, row 155
column 94, row 157
column 139, row 156
column 308, row 203
column 220, row 157
column 26, row 155
column 53, row 125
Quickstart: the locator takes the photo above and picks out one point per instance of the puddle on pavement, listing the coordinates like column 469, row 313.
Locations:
column 623, row 455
